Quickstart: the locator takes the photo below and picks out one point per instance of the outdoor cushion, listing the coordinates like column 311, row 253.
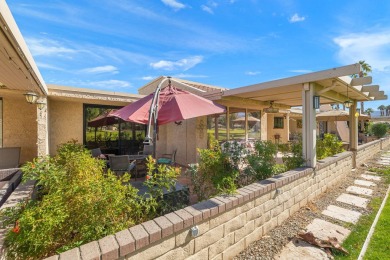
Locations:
column 164, row 161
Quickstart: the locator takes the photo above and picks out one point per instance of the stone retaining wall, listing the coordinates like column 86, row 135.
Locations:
column 366, row 151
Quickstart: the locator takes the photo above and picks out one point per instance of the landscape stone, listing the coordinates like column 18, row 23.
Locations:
column 370, row 177
column 323, row 230
column 359, row 191
column 298, row 249
column 364, row 183
column 353, row 200
column 342, row 214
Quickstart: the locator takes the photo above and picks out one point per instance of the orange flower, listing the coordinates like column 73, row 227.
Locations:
column 16, row 228
column 33, row 166
column 148, row 177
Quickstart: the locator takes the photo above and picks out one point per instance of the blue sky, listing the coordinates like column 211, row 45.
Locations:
column 121, row 45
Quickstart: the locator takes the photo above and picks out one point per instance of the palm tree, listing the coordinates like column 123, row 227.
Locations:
column 388, row 110
column 382, row 109
column 366, row 68
column 369, row 111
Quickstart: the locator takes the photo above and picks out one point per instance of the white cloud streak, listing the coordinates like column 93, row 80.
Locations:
column 373, row 47
column 296, row 18
column 183, row 64
column 111, row 84
column 189, row 76
column 207, row 9
column 301, row 71
column 252, row 73
column 176, row 5
column 100, row 70
column 147, row 78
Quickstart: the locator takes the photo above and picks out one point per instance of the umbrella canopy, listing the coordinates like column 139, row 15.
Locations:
column 174, row 105
column 337, row 115
column 104, row 119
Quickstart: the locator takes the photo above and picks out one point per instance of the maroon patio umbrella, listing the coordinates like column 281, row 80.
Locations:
column 103, row 120
column 174, row 105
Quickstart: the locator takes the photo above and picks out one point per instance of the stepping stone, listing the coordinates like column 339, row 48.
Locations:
column 372, row 173
column 299, row 250
column 383, row 163
column 359, row 191
column 364, row 183
column 324, row 229
column 370, row 177
column 353, row 200
column 342, row 214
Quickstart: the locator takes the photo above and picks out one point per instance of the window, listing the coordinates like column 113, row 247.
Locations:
column 111, row 135
column 279, row 122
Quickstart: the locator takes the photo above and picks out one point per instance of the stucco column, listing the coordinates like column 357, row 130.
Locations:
column 287, row 124
column 353, row 131
column 246, row 125
column 309, row 125
column 42, row 132
column 263, row 126
column 227, row 123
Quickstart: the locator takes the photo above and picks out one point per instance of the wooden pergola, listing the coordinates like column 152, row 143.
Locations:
column 325, row 87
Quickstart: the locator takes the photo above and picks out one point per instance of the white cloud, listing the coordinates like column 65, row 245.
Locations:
column 147, row 78
column 102, row 69
column 252, row 73
column 183, row 64
column 48, row 66
column 301, row 71
column 188, row 76
column 111, row 84
column 48, row 47
column 176, row 5
column 207, row 9
column 373, row 47
column 296, row 18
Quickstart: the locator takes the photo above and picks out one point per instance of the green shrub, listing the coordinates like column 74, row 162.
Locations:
column 77, row 202
column 293, row 157
column 328, row 146
column 216, row 172
column 379, row 129
column 262, row 161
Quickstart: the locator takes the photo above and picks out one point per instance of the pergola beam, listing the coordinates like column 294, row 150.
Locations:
column 249, row 102
column 370, row 88
column 361, row 81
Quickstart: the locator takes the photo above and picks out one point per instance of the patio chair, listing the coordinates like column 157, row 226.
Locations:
column 120, row 164
column 96, row 153
column 9, row 157
column 168, row 158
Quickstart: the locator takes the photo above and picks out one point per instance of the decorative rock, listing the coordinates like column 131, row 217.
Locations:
column 342, row 214
column 298, row 249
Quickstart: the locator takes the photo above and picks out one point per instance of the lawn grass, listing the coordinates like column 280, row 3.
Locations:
column 379, row 249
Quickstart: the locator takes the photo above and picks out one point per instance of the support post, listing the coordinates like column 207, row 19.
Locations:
column 309, row 125
column 353, row 131
column 43, row 134
column 263, row 126
column 227, row 123
column 246, row 125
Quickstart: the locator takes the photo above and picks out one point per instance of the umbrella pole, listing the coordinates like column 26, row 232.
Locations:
column 153, row 113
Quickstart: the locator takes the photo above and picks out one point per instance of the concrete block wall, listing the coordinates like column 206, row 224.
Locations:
column 226, row 224
column 366, row 151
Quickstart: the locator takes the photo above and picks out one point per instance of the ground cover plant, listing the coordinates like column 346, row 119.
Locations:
column 78, row 202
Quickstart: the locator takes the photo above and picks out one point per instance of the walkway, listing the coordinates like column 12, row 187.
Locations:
column 329, row 216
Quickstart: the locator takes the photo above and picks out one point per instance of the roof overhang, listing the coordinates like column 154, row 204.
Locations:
column 18, row 69
column 333, row 85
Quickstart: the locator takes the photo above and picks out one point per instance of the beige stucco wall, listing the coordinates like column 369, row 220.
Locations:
column 293, row 126
column 186, row 138
column 20, row 126
column 65, row 122
column 271, row 131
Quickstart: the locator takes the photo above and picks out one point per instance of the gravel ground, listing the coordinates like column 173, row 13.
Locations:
column 273, row 242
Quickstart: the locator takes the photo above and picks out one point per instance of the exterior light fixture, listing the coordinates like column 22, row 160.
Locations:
column 40, row 104
column 31, row 97
column 316, row 102
column 271, row 109
column 347, row 103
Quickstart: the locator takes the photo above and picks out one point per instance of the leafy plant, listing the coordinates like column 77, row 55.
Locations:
column 216, row 171
column 262, row 161
column 159, row 178
column 379, row 129
column 328, row 146
column 77, row 203
column 293, row 158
